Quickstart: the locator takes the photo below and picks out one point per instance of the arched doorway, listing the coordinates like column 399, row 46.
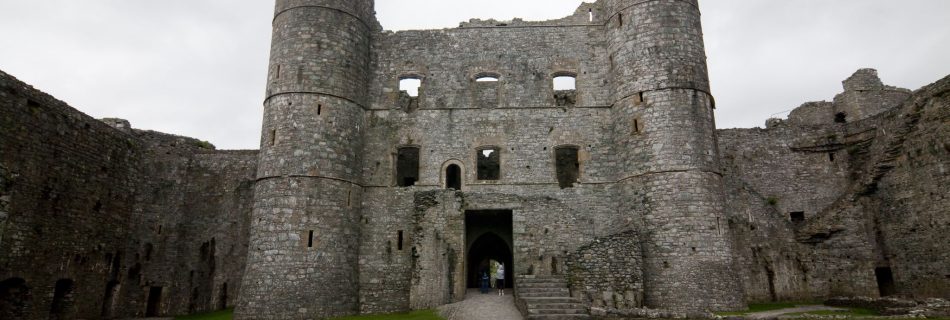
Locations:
column 488, row 237
column 485, row 249
column 15, row 298
column 453, row 177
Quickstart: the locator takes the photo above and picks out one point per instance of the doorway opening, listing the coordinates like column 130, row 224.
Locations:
column 15, row 298
column 489, row 242
column 885, row 281
column 154, row 302
column 62, row 299
column 453, row 177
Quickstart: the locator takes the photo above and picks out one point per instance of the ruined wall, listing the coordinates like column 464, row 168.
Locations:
column 851, row 183
column 607, row 272
column 911, row 214
column 70, row 193
column 193, row 220
column 97, row 214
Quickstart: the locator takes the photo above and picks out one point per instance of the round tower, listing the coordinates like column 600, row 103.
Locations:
column 671, row 186
column 303, row 249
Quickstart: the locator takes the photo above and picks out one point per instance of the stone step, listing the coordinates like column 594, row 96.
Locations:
column 542, row 300
column 552, row 294
column 543, row 289
column 557, row 311
column 556, row 305
column 525, row 285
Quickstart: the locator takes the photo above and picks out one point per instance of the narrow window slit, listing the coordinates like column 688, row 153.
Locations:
column 399, row 240
column 310, row 240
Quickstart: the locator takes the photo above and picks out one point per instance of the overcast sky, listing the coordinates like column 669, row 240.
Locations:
column 198, row 67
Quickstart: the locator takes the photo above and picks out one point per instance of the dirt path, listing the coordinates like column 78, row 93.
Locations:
column 479, row 306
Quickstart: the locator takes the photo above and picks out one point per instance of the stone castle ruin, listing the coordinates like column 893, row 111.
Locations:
column 617, row 192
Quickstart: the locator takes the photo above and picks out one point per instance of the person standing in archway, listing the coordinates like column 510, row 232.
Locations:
column 500, row 279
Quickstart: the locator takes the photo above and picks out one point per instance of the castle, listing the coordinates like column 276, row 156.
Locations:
column 367, row 199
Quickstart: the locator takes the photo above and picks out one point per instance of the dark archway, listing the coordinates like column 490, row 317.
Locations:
column 15, row 299
column 487, row 247
column 62, row 300
column 453, row 177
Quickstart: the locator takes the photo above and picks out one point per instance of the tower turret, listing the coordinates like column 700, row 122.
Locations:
column 671, row 185
column 303, row 250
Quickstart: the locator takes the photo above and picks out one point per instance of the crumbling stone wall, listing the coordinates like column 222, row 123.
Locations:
column 68, row 211
column 862, row 211
column 117, row 211
column 199, row 264
column 607, row 272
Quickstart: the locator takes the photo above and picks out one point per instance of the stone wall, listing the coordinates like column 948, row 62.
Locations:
column 607, row 272
column 852, row 186
column 95, row 214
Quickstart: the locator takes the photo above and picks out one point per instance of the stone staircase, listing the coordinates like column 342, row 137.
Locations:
column 548, row 297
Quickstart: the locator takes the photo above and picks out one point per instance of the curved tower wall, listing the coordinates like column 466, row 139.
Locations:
column 308, row 174
column 670, row 182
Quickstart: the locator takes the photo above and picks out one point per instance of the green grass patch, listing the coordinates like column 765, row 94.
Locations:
column 217, row 315
column 850, row 312
column 415, row 315
column 769, row 306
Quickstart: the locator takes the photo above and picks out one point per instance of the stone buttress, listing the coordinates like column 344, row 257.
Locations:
column 303, row 248
column 668, row 161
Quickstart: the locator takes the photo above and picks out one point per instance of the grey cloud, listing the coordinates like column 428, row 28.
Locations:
column 198, row 68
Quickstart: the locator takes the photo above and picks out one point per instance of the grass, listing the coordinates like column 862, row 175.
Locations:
column 850, row 312
column 217, row 315
column 416, row 315
column 761, row 307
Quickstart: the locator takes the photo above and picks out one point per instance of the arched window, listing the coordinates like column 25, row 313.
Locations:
column 453, row 177
column 489, row 163
column 487, row 77
column 407, row 166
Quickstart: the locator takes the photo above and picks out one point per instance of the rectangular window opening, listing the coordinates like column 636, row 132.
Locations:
column 273, row 137
column 637, row 128
column 399, row 240
column 278, row 72
column 831, row 156
column 310, row 240
column 567, row 166
column 407, row 166
column 410, row 86
column 797, row 216
column 489, row 164
column 319, row 109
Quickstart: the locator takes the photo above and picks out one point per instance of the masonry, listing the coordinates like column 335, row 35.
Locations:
column 367, row 199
